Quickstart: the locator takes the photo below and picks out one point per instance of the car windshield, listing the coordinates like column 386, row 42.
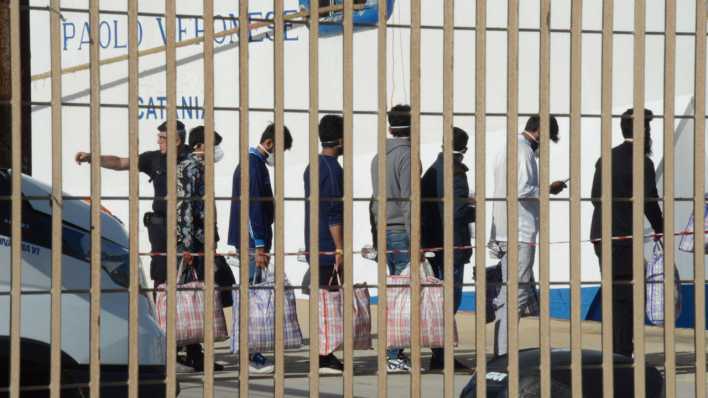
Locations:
column 115, row 259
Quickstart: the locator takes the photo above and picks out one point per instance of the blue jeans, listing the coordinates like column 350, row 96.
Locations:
column 458, row 270
column 397, row 239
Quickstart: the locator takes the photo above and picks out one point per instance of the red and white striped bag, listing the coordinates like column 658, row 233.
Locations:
column 189, row 322
column 331, row 320
column 432, row 326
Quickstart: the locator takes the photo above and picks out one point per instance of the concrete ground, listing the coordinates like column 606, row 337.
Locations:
column 297, row 365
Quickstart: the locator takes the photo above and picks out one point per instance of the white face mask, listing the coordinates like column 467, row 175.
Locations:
column 270, row 160
column 218, row 154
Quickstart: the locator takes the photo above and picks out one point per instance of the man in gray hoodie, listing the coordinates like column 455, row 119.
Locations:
column 398, row 208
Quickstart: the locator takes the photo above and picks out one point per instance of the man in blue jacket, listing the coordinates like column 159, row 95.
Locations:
column 432, row 207
column 261, row 215
column 331, row 234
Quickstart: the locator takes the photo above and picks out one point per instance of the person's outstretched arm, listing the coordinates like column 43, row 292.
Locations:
column 107, row 161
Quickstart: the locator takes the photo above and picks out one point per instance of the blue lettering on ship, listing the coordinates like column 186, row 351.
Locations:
column 113, row 33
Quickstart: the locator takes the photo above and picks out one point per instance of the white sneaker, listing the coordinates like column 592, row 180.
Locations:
column 398, row 365
column 259, row 365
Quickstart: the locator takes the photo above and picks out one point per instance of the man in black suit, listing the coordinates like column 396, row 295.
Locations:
column 622, row 175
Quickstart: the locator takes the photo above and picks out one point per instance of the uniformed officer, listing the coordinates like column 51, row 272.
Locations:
column 154, row 164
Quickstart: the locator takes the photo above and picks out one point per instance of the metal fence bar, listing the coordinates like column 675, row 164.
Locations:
column 699, row 156
column 415, row 74
column 575, row 193
column 381, row 200
column 480, row 181
column 171, row 84
column 95, row 123
column 544, row 208
column 134, row 205
column 347, row 109
column 669, row 175
column 448, row 192
column 314, row 73
column 243, row 103
column 606, row 244
column 16, row 226
column 209, row 204
column 57, row 202
column 638, row 199
column 512, row 194
column 279, row 101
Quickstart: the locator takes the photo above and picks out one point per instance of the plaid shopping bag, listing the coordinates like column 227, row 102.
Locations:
column 261, row 317
column 686, row 243
column 432, row 326
column 362, row 318
column 189, row 322
column 654, row 277
column 331, row 320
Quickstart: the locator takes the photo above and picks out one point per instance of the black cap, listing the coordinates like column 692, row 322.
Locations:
column 179, row 127
column 459, row 139
column 331, row 129
column 196, row 136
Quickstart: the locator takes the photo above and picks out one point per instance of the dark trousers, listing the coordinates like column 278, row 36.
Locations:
column 622, row 297
column 458, row 269
column 157, row 233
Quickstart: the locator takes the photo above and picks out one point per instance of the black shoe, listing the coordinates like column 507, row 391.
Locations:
column 438, row 363
column 330, row 365
column 198, row 365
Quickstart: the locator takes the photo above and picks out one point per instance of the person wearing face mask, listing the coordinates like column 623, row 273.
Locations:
column 528, row 207
column 398, row 207
column 622, row 214
column 331, row 234
column 432, row 224
column 261, row 212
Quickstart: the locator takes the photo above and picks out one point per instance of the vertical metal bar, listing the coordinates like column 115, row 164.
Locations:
column 347, row 107
column 134, row 204
column 278, row 58
column 16, row 198
column 244, row 107
column 699, row 157
column 448, row 192
column 171, row 80
column 415, row 197
column 606, row 145
column 95, row 110
column 209, row 204
column 544, row 210
column 381, row 201
column 669, row 175
column 638, row 201
column 575, row 193
column 512, row 198
column 480, row 181
column 57, row 202
column 314, row 200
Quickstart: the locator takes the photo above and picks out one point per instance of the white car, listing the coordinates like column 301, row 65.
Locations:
column 75, row 301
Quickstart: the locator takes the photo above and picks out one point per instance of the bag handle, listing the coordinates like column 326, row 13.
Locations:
column 331, row 278
column 262, row 271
